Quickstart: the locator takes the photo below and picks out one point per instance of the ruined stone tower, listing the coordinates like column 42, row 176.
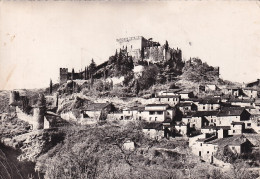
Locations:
column 14, row 96
column 39, row 112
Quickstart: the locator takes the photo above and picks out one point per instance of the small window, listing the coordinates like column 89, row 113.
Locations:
column 200, row 144
column 233, row 148
column 159, row 99
column 234, row 131
column 248, row 124
column 150, row 118
column 155, row 118
column 207, row 152
column 168, row 99
column 159, row 112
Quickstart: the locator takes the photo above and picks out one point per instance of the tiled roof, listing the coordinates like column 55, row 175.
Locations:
column 236, row 123
column 153, row 125
column 234, row 140
column 241, row 100
column 168, row 96
column 233, row 87
column 205, row 113
column 250, row 88
column 193, row 99
column 184, row 92
column 210, row 101
column 150, row 105
column 184, row 104
column 216, row 127
column 231, row 112
column 96, row 106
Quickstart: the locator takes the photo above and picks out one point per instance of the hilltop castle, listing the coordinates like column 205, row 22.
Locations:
column 145, row 49
column 140, row 48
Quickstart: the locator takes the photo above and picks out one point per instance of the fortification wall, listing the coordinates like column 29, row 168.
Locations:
column 31, row 119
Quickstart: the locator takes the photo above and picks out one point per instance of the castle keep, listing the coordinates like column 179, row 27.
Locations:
column 135, row 45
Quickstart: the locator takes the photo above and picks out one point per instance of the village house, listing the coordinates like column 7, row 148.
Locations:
column 169, row 99
column 226, row 98
column 218, row 94
column 234, row 91
column 133, row 113
column 242, row 102
column 206, row 148
column 253, row 110
column 214, row 129
column 255, row 119
column 153, row 130
column 253, row 84
column 186, row 118
column 203, row 118
column 158, row 112
column 185, row 94
column 181, row 128
column 237, row 128
column 227, row 115
column 97, row 111
column 186, row 107
column 168, row 92
column 209, row 104
column 250, row 92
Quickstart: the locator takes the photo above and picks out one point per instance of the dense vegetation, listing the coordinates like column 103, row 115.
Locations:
column 197, row 71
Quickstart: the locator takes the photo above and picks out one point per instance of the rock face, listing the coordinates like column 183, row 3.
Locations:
column 34, row 143
column 11, row 168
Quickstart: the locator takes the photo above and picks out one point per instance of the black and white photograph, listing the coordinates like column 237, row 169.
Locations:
column 129, row 89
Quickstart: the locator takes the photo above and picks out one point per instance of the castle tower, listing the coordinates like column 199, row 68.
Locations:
column 39, row 112
column 63, row 75
column 14, row 95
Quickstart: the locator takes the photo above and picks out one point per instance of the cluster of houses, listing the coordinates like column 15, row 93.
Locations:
column 210, row 121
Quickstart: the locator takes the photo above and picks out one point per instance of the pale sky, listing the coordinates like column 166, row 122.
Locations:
column 37, row 38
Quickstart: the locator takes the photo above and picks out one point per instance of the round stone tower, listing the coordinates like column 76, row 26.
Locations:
column 39, row 112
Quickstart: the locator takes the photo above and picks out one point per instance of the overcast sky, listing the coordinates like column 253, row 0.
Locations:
column 37, row 38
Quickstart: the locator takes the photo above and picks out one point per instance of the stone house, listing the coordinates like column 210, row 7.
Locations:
column 250, row 92
column 181, row 128
column 185, row 94
column 167, row 99
column 158, row 112
column 227, row 115
column 97, row 111
column 133, row 113
column 186, row 107
column 209, row 104
column 242, row 102
column 214, row 130
column 203, row 118
column 206, row 148
column 237, row 128
column 153, row 130
column 235, row 91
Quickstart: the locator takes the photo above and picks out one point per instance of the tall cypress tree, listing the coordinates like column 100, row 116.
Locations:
column 50, row 86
